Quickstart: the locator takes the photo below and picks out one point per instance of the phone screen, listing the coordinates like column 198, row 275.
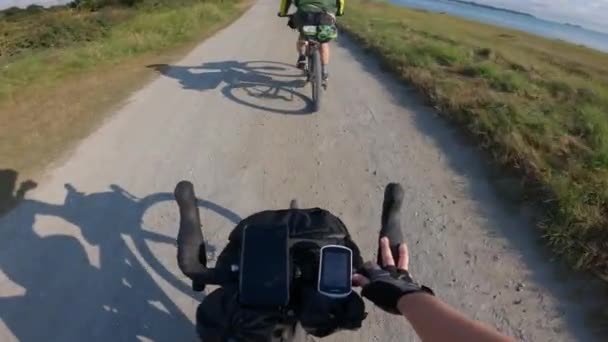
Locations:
column 336, row 271
column 264, row 269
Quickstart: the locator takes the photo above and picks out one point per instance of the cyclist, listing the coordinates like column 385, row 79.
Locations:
column 392, row 289
column 314, row 12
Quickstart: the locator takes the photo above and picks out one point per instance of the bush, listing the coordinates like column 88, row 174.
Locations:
column 12, row 12
column 95, row 5
column 33, row 9
column 52, row 31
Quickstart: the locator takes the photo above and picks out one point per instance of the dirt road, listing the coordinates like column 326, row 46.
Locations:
column 90, row 255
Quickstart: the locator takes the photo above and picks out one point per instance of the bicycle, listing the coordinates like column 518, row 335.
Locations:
column 313, row 70
column 225, row 316
column 314, row 35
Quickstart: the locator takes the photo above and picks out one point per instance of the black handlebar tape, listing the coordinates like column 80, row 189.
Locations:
column 391, row 219
column 191, row 252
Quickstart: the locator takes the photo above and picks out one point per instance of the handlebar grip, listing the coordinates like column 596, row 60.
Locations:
column 391, row 219
column 191, row 250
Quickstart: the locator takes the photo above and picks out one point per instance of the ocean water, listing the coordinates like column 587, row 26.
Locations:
column 504, row 18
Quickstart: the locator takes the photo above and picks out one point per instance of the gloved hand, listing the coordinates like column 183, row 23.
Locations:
column 385, row 286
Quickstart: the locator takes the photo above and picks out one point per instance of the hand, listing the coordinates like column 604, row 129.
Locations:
column 385, row 286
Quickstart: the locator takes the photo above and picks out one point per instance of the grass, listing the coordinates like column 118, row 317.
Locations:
column 143, row 32
column 52, row 96
column 538, row 106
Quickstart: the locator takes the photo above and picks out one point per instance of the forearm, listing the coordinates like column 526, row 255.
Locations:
column 284, row 7
column 434, row 320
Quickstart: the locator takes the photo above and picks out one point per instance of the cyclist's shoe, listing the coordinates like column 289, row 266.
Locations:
column 325, row 77
column 301, row 64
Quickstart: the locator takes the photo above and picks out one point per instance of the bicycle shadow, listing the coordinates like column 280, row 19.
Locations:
column 90, row 279
column 251, row 83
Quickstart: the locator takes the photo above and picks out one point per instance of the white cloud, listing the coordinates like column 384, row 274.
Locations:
column 588, row 13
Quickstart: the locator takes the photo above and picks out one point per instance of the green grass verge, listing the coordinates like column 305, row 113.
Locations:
column 537, row 105
column 55, row 88
column 139, row 33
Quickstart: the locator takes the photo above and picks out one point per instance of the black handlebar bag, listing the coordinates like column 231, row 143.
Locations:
column 220, row 317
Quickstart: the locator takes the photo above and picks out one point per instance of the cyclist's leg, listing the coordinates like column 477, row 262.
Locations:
column 299, row 18
column 301, row 47
column 324, row 51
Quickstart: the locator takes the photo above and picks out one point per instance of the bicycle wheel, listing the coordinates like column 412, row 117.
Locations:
column 148, row 235
column 316, row 80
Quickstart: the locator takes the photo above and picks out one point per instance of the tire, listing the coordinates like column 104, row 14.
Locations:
column 316, row 80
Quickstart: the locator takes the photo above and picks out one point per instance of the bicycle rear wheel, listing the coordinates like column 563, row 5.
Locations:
column 316, row 79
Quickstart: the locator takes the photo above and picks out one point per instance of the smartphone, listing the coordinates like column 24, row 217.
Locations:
column 264, row 270
column 335, row 271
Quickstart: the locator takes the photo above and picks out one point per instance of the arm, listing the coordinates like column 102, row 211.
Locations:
column 340, row 7
column 392, row 288
column 434, row 320
column 284, row 7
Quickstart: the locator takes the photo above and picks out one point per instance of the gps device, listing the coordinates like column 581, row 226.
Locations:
column 335, row 271
column 264, row 269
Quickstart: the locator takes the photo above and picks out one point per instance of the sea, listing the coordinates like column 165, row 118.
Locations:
column 514, row 20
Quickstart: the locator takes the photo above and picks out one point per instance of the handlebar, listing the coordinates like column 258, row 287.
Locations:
column 391, row 221
column 192, row 252
column 191, row 249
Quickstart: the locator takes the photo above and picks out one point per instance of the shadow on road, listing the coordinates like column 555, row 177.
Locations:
column 9, row 195
column 248, row 83
column 90, row 284
column 487, row 186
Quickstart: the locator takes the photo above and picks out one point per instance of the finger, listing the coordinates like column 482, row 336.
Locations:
column 385, row 250
column 404, row 258
column 359, row 280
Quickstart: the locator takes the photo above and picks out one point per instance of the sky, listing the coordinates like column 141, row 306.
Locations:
column 24, row 3
column 592, row 14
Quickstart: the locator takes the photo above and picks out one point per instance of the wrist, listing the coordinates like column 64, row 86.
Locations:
column 410, row 301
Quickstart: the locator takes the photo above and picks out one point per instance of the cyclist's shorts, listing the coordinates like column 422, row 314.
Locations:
column 319, row 25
